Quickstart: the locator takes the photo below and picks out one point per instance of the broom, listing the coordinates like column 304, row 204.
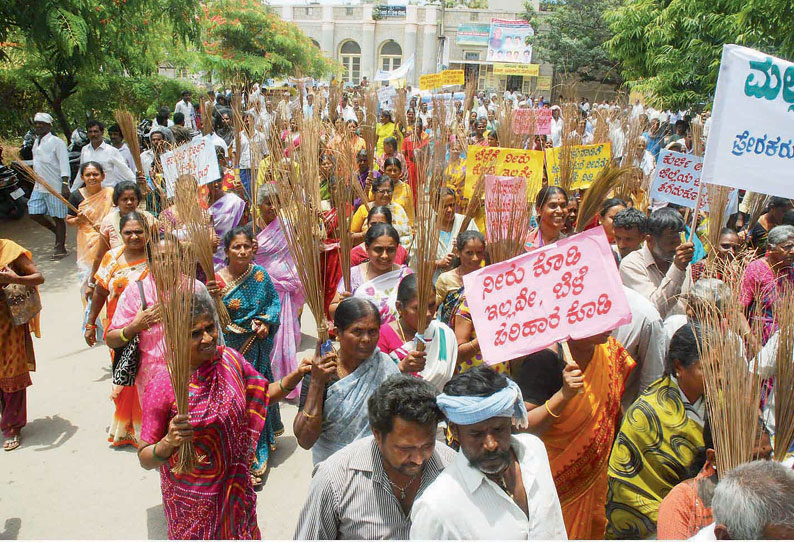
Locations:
column 595, row 196
column 127, row 125
column 784, row 375
column 198, row 224
column 400, row 105
column 506, row 225
column 369, row 129
column 174, row 272
column 237, row 122
column 207, row 111
column 475, row 201
column 342, row 198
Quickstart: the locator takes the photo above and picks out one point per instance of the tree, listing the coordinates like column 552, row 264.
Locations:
column 573, row 37
column 58, row 44
column 245, row 40
column 670, row 49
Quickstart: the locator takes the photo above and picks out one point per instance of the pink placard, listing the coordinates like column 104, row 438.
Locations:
column 532, row 121
column 569, row 289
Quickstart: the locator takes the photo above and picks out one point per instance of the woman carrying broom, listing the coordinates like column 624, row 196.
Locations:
column 254, row 309
column 227, row 411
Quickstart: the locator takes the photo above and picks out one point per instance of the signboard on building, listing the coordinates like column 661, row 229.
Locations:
column 544, row 83
column 473, row 34
column 525, row 70
column 510, row 41
column 382, row 11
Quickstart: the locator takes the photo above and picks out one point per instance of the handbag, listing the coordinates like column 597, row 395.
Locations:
column 24, row 302
column 127, row 358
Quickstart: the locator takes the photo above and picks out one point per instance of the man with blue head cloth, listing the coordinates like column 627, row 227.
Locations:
column 499, row 486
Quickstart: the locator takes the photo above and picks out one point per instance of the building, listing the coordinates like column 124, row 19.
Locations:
column 365, row 38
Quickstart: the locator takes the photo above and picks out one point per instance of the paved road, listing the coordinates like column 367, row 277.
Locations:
column 66, row 481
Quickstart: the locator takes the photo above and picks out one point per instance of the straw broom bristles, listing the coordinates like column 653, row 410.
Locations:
column 504, row 127
column 298, row 207
column 400, row 104
column 342, row 198
column 757, row 208
column 127, row 125
column 174, row 272
column 207, row 111
column 505, row 232
column 601, row 130
column 733, row 388
column 470, row 91
column 784, row 374
column 718, row 205
column 595, row 196
column 198, row 225
column 369, row 129
column 475, row 201
column 237, row 122
column 334, row 102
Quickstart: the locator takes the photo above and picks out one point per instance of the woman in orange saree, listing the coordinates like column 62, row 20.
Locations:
column 575, row 408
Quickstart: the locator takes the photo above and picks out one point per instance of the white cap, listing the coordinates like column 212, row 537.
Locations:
column 43, row 117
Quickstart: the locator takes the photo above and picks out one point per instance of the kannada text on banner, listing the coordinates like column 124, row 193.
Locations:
column 586, row 160
column 504, row 163
column 432, row 81
column 196, row 158
column 751, row 142
column 677, row 180
column 502, row 195
column 532, row 121
column 570, row 289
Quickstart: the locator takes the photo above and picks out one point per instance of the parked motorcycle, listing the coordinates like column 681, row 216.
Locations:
column 13, row 197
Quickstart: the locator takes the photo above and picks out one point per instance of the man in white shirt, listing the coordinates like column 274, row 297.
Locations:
column 556, row 126
column 643, row 159
column 253, row 142
column 51, row 163
column 98, row 150
column 117, row 140
column 185, row 106
column 308, row 107
column 499, row 486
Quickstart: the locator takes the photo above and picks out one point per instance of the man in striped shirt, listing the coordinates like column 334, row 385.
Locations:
column 365, row 491
column 500, row 485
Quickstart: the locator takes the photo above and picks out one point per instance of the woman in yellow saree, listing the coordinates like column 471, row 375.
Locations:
column 574, row 408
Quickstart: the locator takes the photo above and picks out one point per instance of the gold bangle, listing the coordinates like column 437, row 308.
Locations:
column 281, row 385
column 309, row 416
column 552, row 414
column 123, row 338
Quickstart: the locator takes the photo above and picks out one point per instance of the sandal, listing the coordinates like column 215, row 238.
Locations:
column 59, row 255
column 12, row 443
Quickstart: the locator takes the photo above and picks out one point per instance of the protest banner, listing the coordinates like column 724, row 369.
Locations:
column 386, row 95
column 510, row 41
column 430, row 81
column 532, row 121
column 567, row 290
column 398, row 73
column 452, row 77
column 751, row 141
column 544, row 83
column 524, row 70
column 586, row 162
column 677, row 180
column 504, row 163
column 473, row 34
column 196, row 158
column 501, row 195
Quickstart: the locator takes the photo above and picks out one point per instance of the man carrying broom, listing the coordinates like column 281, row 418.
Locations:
column 51, row 163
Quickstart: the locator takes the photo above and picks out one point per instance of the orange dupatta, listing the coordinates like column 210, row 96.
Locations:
column 579, row 443
column 95, row 207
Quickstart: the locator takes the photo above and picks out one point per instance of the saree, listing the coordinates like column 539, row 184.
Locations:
column 252, row 297
column 461, row 310
column 227, row 406
column 579, row 442
column 345, row 414
column 227, row 213
column 114, row 276
column 760, row 291
column 95, row 207
column 274, row 256
column 16, row 345
column 382, row 290
column 654, row 450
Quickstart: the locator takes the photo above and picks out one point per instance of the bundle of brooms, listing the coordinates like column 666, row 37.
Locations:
column 784, row 374
column 369, row 129
column 604, row 183
column 199, row 231
column 127, row 124
column 207, row 112
column 733, row 383
column 342, row 198
column 299, row 207
column 173, row 269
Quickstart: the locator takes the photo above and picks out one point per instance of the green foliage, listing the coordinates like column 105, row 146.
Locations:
column 670, row 49
column 245, row 41
column 573, row 37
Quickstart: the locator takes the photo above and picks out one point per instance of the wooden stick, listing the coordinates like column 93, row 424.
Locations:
column 696, row 213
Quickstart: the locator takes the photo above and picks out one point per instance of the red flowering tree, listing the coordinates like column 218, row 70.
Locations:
column 245, row 41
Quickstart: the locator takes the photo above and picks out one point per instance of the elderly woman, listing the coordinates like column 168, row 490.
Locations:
column 254, row 309
column 93, row 203
column 121, row 266
column 764, row 277
column 773, row 217
column 333, row 402
column 227, row 411
column 274, row 256
column 658, row 442
column 376, row 279
column 16, row 346
column 382, row 196
column 551, row 204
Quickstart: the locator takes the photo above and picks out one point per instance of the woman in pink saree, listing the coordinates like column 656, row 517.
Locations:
column 273, row 254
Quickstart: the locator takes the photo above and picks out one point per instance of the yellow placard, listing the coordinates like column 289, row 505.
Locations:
column 505, row 162
column 452, row 77
column 586, row 162
column 527, row 70
column 430, row 81
column 544, row 82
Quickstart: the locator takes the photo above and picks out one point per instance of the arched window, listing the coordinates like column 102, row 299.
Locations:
column 391, row 56
column 350, row 56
